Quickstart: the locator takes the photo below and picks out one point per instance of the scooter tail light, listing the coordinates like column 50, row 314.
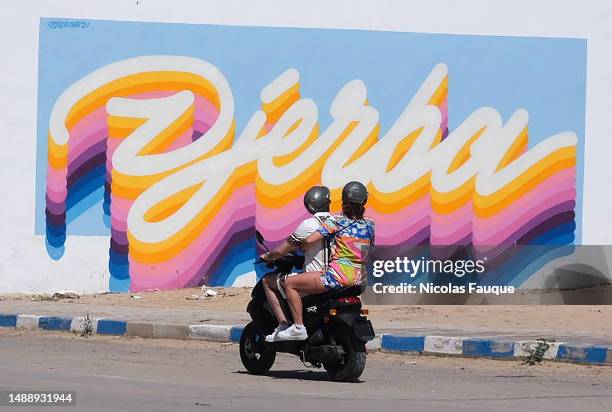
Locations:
column 353, row 300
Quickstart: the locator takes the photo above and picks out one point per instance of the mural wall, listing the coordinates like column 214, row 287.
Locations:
column 176, row 141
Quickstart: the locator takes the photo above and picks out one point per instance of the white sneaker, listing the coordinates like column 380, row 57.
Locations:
column 292, row 333
column 273, row 337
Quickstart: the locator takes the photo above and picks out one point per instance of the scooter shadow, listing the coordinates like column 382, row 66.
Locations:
column 306, row 375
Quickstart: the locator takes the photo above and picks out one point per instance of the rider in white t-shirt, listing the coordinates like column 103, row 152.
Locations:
column 316, row 201
column 315, row 254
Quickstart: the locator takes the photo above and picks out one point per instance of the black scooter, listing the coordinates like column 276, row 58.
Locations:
column 336, row 323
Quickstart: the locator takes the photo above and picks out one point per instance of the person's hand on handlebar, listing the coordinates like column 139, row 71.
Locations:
column 270, row 256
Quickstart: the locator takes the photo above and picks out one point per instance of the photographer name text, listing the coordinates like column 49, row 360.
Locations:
column 431, row 288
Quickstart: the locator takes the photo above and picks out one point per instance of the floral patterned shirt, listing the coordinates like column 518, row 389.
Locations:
column 350, row 248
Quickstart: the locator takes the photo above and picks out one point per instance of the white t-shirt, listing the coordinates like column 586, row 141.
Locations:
column 314, row 253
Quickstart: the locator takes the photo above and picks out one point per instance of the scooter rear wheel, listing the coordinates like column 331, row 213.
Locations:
column 353, row 363
column 256, row 356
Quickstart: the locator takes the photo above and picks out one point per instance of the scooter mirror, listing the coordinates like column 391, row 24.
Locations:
column 259, row 237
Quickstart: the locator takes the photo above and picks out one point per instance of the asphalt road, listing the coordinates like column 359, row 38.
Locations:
column 133, row 374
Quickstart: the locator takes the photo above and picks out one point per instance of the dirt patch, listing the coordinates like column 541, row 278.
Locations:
column 230, row 299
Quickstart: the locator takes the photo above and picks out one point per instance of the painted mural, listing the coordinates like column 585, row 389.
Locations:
column 158, row 151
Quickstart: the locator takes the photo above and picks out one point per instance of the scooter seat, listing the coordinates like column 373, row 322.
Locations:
column 334, row 294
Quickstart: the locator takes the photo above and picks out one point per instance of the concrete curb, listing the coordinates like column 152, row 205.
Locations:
column 424, row 344
column 496, row 349
column 217, row 333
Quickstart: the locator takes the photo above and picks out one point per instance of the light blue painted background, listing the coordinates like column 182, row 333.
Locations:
column 546, row 76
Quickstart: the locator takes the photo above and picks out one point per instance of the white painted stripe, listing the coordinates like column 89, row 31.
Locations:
column 220, row 333
column 373, row 345
column 444, row 344
column 27, row 321
column 523, row 348
column 78, row 324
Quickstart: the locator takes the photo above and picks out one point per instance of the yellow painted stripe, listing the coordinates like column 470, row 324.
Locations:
column 141, row 83
column 289, row 94
column 402, row 148
column 398, row 200
column 517, row 148
column 463, row 154
column 441, row 92
column 280, row 161
column 449, row 202
column 367, row 143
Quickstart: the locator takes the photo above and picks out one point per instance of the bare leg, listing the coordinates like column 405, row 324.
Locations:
column 272, row 294
column 309, row 282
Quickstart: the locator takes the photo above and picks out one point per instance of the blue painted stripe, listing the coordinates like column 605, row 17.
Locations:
column 488, row 347
column 54, row 323
column 585, row 354
column 235, row 333
column 8, row 321
column 403, row 343
column 111, row 327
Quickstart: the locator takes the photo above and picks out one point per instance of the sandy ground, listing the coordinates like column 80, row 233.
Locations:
column 567, row 320
column 230, row 299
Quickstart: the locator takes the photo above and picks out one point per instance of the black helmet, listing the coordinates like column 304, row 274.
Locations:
column 317, row 199
column 354, row 192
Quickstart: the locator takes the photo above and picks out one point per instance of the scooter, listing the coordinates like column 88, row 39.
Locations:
column 337, row 327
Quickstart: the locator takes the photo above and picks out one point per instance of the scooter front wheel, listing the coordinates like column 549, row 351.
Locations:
column 256, row 356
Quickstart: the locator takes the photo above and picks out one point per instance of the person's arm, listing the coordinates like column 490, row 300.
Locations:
column 279, row 251
column 296, row 239
column 314, row 238
column 327, row 229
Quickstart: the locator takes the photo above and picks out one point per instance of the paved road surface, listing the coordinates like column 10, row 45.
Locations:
column 133, row 374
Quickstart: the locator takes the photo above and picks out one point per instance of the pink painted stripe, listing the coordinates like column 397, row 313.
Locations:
column 120, row 206
column 406, row 234
column 181, row 141
column 88, row 125
column 57, row 189
column 118, row 224
column 496, row 237
column 403, row 220
column 443, row 225
column 193, row 256
column 281, row 233
column 274, row 219
column 452, row 238
column 57, row 197
column 93, row 139
column 180, row 270
column 444, row 112
column 415, row 209
column 558, row 183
